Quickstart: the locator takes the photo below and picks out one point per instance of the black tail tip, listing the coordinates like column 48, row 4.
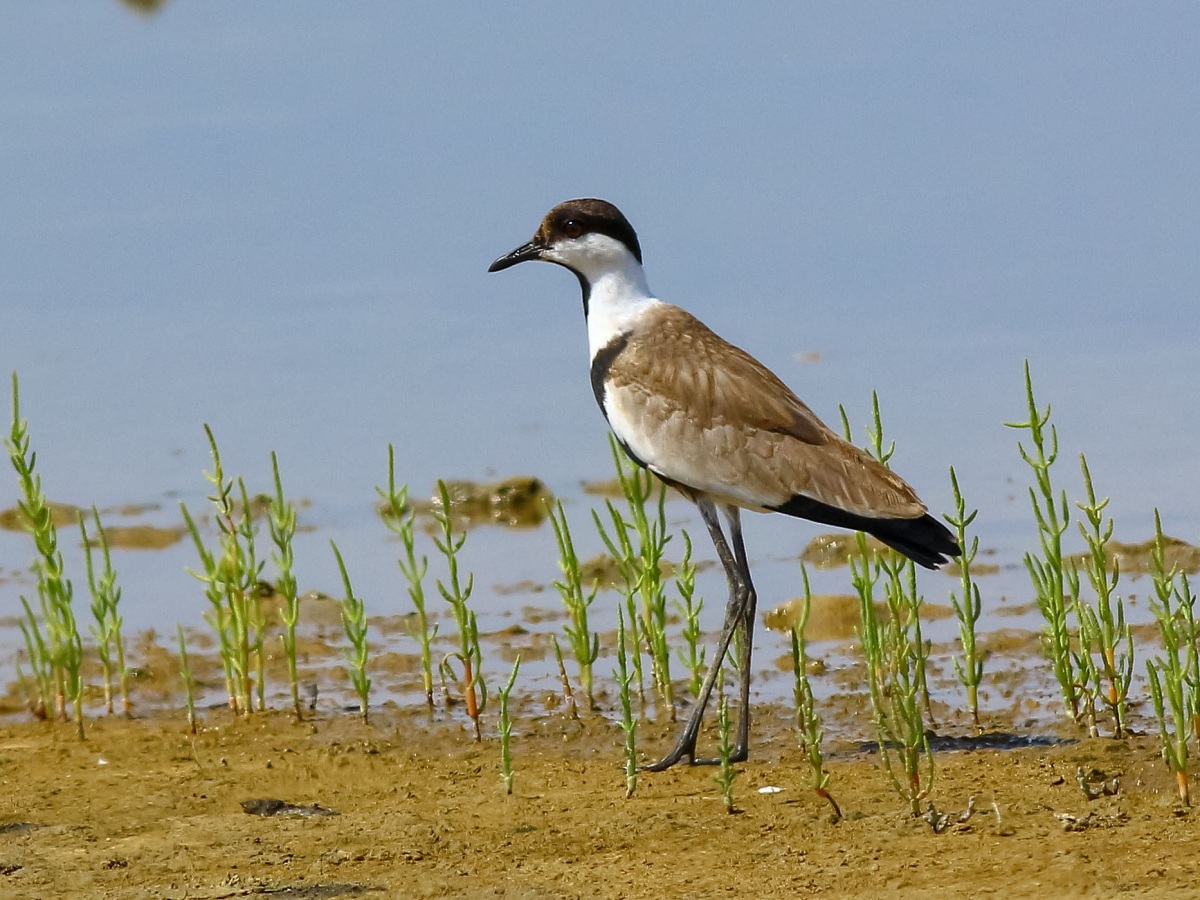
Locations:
column 925, row 541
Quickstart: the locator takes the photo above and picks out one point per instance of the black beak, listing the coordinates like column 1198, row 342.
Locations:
column 531, row 250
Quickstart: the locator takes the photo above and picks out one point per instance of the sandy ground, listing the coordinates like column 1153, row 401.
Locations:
column 143, row 808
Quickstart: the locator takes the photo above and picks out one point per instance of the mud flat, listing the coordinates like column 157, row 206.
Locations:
column 410, row 807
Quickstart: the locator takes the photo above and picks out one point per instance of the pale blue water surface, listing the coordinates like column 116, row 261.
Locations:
column 277, row 219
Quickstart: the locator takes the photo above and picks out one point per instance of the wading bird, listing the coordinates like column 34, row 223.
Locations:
column 714, row 423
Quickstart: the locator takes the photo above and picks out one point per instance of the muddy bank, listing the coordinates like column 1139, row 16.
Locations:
column 144, row 809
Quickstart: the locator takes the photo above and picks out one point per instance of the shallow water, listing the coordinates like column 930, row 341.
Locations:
column 279, row 224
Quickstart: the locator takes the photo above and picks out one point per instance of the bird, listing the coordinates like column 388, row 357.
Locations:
column 717, row 425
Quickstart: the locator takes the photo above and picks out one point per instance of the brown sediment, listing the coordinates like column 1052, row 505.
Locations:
column 830, row 551
column 131, row 510
column 142, row 808
column 832, row 617
column 524, row 586
column 142, row 537
column 603, row 570
column 1138, row 559
column 520, row 502
column 835, row 617
column 600, row 569
column 61, row 514
column 978, row 569
column 610, row 487
column 1014, row 609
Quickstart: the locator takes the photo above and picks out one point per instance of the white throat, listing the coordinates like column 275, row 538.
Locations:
column 617, row 301
column 619, row 295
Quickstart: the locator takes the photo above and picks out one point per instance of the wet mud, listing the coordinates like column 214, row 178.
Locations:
column 144, row 809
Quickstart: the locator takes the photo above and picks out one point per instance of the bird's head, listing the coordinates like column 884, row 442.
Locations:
column 590, row 237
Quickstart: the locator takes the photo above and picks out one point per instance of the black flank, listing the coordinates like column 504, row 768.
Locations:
column 925, row 541
column 601, row 363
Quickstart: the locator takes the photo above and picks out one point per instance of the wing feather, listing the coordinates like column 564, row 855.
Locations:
column 707, row 415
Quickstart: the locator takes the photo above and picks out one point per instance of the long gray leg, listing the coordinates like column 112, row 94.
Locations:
column 740, row 593
column 742, row 747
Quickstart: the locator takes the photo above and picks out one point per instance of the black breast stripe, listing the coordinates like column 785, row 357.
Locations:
column 602, row 363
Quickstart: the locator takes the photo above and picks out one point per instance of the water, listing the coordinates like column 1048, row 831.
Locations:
column 277, row 221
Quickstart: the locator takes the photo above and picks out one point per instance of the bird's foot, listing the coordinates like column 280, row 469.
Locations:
column 666, row 762
column 687, row 750
column 737, row 756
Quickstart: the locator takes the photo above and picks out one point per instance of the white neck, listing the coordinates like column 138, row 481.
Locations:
column 618, row 295
column 616, row 302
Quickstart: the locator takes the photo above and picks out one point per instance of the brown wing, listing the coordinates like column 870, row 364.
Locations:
column 704, row 413
column 717, row 381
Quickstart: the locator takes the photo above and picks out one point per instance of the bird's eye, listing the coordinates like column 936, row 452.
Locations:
column 573, row 229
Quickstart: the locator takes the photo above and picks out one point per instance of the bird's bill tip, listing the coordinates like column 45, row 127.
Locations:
column 527, row 251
